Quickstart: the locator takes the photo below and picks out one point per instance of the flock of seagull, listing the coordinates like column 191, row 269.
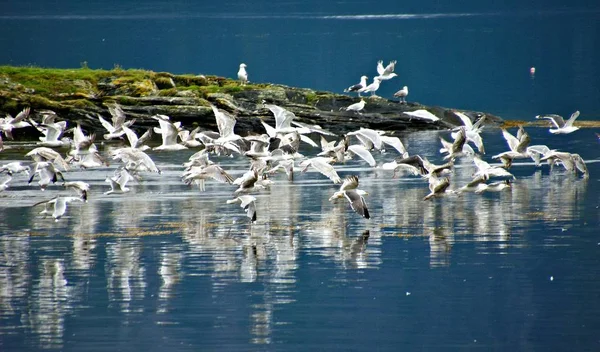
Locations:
column 270, row 153
column 384, row 74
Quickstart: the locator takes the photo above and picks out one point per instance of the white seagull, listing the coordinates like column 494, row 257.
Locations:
column 242, row 74
column 361, row 151
column 82, row 188
column 472, row 130
column 58, row 205
column 387, row 72
column 437, row 186
column 349, row 190
column 9, row 123
column 372, row 88
column 169, row 131
column 198, row 174
column 422, row 114
column 48, row 173
column 119, row 181
column 115, row 130
column 52, row 133
column 368, row 137
column 356, row 107
column 357, row 87
column 134, row 141
column 247, row 202
column 15, row 167
column 562, row 126
column 323, row 165
column 402, row 93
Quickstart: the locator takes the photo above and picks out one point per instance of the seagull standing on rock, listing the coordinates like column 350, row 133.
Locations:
column 357, row 87
column 402, row 93
column 242, row 74
column 372, row 88
column 356, row 107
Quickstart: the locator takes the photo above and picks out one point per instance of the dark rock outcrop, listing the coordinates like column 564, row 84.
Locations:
column 187, row 99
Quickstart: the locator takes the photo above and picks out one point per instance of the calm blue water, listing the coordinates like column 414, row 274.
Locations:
column 167, row 267
column 470, row 55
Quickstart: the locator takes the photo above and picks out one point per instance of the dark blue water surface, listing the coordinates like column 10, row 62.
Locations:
column 470, row 55
column 167, row 267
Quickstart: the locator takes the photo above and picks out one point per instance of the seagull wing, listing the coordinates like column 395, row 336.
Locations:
column 321, row 165
column 308, row 140
column 218, row 174
column 110, row 128
column 580, row 165
column 572, row 119
column 144, row 138
column 389, row 69
column 557, row 120
column 524, row 140
column 477, row 125
column 475, row 137
column 373, row 135
column 168, row 131
column 225, row 122
column 423, row 114
column 313, row 128
column 380, row 68
column 350, row 182
column 145, row 159
column 459, row 141
column 465, row 120
column 53, row 132
column 283, row 117
column 357, row 202
column 21, row 116
column 131, row 137
column 118, row 116
column 512, row 141
column 363, row 153
column 396, row 143
column 481, row 164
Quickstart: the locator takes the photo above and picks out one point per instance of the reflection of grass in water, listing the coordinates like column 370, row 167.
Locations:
column 535, row 215
column 157, row 230
column 548, row 124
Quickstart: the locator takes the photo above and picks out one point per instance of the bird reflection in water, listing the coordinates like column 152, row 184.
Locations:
column 50, row 304
column 170, row 273
column 440, row 246
column 126, row 274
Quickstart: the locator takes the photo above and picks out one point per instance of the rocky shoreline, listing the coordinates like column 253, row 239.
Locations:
column 80, row 94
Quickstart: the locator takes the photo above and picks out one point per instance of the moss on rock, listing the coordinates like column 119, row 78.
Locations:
column 76, row 93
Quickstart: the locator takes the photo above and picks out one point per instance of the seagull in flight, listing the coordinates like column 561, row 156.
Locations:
column 387, row 72
column 169, row 132
column 437, row 186
column 349, row 190
column 58, row 206
column 247, row 202
column 562, row 126
column 323, row 165
column 115, row 129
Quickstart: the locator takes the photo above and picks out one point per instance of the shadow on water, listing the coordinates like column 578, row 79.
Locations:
column 165, row 261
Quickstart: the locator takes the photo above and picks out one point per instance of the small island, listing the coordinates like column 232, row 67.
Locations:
column 81, row 94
